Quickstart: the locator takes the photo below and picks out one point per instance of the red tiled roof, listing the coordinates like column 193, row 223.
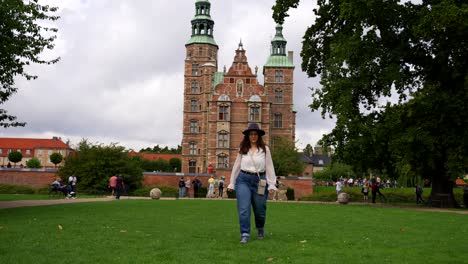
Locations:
column 152, row 156
column 32, row 143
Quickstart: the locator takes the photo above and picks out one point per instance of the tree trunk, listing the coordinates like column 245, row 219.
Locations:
column 442, row 193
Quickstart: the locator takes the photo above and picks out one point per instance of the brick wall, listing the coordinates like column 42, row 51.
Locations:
column 37, row 178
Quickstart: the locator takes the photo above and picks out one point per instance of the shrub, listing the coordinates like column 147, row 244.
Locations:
column 33, row 163
column 16, row 189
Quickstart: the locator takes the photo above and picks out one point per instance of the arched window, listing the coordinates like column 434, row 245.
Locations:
column 223, row 139
column 278, row 120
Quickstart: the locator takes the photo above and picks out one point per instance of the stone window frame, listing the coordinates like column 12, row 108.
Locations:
column 194, row 105
column 278, row 120
column 279, row 77
column 192, row 166
column 195, row 69
column 223, row 139
column 224, row 115
column 194, row 87
column 252, row 116
column 279, row 95
column 193, row 126
column 193, row 148
column 222, row 161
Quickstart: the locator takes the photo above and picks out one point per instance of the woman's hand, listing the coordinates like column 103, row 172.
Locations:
column 229, row 190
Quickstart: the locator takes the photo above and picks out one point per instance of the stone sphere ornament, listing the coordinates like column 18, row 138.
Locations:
column 155, row 194
column 343, row 198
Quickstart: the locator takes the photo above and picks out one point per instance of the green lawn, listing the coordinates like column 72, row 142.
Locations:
column 204, row 231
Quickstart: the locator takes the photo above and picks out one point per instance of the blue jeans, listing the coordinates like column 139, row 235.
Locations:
column 247, row 197
column 181, row 191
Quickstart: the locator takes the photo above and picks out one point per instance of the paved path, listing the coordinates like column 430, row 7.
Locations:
column 24, row 203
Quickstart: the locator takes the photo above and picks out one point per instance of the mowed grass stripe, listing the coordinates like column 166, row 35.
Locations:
column 205, row 231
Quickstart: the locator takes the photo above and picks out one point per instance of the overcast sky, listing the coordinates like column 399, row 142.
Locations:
column 120, row 77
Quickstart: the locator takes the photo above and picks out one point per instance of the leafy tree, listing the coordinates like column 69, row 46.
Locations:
column 333, row 172
column 23, row 37
column 158, row 150
column 176, row 164
column 94, row 164
column 286, row 158
column 368, row 51
column 33, row 163
column 15, row 156
column 308, row 150
column 56, row 158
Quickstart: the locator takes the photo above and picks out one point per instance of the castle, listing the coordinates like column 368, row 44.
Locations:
column 218, row 106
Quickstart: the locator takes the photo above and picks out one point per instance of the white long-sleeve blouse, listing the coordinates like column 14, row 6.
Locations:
column 263, row 163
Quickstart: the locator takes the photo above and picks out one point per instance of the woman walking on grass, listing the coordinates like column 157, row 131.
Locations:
column 252, row 177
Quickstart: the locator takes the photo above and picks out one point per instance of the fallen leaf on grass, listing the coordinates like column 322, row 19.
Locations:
column 303, row 241
column 269, row 259
column 123, row 231
column 402, row 230
column 60, row 227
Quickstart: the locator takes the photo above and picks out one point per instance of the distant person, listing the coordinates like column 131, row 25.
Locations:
column 211, row 183
column 221, row 186
column 119, row 187
column 72, row 186
column 375, row 187
column 113, row 184
column 181, row 187
column 365, row 192
column 187, row 187
column 58, row 186
column 196, row 183
column 338, row 187
column 418, row 191
column 8, row 165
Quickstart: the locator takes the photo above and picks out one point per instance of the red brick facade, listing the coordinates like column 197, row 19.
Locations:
column 218, row 106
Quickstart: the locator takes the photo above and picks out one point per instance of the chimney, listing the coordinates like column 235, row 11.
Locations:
column 290, row 56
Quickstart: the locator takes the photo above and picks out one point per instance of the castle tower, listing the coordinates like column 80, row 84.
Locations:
column 218, row 106
column 200, row 64
column 279, row 76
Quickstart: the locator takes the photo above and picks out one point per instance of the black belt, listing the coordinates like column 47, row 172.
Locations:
column 253, row 173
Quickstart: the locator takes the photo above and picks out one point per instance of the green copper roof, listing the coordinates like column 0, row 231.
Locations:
column 201, row 1
column 218, row 78
column 279, row 61
column 278, row 38
column 202, row 39
column 199, row 17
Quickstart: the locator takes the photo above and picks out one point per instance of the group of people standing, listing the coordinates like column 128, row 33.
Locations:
column 213, row 184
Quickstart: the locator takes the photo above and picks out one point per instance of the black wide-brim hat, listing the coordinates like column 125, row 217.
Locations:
column 253, row 127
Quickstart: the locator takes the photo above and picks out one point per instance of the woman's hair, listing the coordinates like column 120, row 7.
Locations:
column 245, row 144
